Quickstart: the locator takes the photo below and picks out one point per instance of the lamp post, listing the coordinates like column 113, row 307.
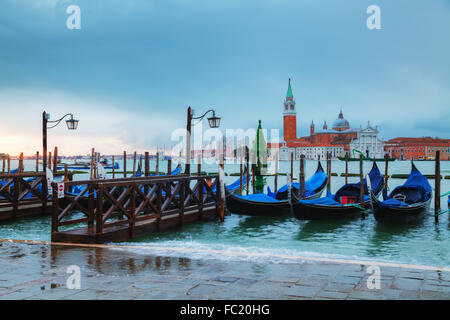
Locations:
column 213, row 122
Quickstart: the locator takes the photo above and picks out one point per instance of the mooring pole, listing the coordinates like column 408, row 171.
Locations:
column 134, row 163
column 188, row 142
column 302, row 177
column 157, row 164
column 199, row 164
column 124, row 164
column 386, row 166
column 3, row 160
column 55, row 160
column 361, row 180
column 276, row 172
column 292, row 166
column 50, row 160
column 248, row 170
column 91, row 164
column 113, row 167
column 37, row 162
column 346, row 167
column 66, row 172
column 147, row 164
column 437, row 186
column 253, row 177
column 222, row 200
column 241, row 175
column 169, row 167
column 21, row 162
column 329, row 170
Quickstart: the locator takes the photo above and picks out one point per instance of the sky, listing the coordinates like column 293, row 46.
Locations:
column 134, row 67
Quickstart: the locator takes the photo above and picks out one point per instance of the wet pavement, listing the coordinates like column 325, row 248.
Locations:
column 44, row 271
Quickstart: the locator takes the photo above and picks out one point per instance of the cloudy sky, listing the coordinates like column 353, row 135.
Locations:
column 134, row 66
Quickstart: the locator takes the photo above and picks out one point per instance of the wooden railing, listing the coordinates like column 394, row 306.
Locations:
column 22, row 188
column 124, row 202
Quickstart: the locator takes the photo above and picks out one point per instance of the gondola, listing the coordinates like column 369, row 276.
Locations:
column 273, row 204
column 344, row 204
column 407, row 202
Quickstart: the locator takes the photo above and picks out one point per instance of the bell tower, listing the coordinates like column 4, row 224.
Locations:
column 289, row 116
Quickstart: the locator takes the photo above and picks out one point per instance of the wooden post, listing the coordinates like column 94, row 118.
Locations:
column 21, row 162
column 346, row 167
column 361, row 180
column 3, row 160
column 124, row 164
column 219, row 189
column 132, row 212
column 134, row 163
column 199, row 164
column 55, row 160
column 169, row 167
column 147, row 164
column 241, row 176
column 188, row 142
column 92, row 164
column 386, row 165
column 276, row 172
column 50, row 160
column 248, row 173
column 113, row 167
column 437, row 186
column 55, row 212
column 329, row 170
column 99, row 210
column 253, row 177
column 157, row 164
column 37, row 162
column 302, row 178
column 292, row 166
column 66, row 172
column 9, row 164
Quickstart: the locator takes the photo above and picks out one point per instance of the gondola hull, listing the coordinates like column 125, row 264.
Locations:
column 402, row 214
column 238, row 205
column 256, row 208
column 304, row 211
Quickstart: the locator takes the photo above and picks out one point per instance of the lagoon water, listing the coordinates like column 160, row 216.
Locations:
column 246, row 237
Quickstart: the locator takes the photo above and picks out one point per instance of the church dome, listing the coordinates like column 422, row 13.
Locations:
column 341, row 123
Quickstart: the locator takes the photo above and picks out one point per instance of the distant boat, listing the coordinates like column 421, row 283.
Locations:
column 366, row 159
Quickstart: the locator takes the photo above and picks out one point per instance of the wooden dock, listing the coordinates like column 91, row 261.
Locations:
column 120, row 209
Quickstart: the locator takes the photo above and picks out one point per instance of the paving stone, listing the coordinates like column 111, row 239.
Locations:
column 342, row 287
column 302, row 291
column 407, row 284
column 203, row 289
column 332, row 294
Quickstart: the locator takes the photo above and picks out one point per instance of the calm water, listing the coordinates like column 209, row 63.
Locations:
column 422, row 242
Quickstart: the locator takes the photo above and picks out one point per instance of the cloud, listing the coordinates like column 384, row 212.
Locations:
column 107, row 126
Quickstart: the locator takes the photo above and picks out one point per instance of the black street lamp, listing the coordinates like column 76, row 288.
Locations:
column 214, row 122
column 72, row 124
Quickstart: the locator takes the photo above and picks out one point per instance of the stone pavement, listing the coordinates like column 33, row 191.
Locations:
column 39, row 271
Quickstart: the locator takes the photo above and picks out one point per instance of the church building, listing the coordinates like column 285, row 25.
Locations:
column 335, row 140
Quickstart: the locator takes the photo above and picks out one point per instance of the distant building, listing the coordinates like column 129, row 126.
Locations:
column 312, row 151
column 336, row 140
column 424, row 148
column 368, row 143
